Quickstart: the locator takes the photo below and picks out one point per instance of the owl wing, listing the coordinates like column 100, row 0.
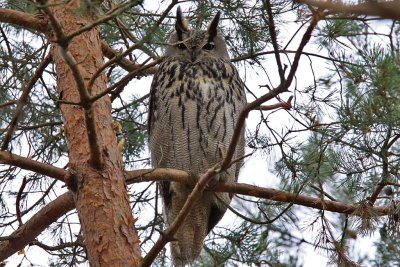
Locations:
column 152, row 116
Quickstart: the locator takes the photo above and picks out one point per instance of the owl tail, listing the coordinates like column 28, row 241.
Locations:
column 191, row 234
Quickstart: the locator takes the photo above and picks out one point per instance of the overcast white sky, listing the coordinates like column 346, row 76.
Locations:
column 257, row 169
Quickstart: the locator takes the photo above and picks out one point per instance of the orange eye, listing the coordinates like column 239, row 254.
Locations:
column 182, row 46
column 209, row 46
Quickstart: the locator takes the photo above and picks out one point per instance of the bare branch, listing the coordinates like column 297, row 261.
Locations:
column 133, row 47
column 285, row 105
column 22, row 101
column 124, row 63
column 35, row 225
column 23, row 19
column 32, row 165
column 384, row 9
column 172, row 175
column 271, row 94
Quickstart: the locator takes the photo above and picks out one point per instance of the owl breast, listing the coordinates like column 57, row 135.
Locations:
column 194, row 109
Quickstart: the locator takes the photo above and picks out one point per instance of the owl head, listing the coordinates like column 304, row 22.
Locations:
column 196, row 45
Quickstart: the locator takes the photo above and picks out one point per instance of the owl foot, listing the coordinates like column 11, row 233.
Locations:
column 218, row 178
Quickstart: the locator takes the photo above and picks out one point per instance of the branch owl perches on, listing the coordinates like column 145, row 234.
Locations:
column 195, row 101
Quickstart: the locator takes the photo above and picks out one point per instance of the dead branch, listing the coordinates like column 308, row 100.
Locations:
column 32, row 165
column 22, row 101
column 133, row 47
column 285, row 105
column 25, row 20
column 384, row 9
column 172, row 175
column 124, row 63
column 283, row 87
column 35, row 225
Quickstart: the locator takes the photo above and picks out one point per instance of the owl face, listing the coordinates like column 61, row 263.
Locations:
column 196, row 45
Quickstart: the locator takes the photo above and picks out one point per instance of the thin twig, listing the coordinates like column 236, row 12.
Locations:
column 385, row 9
column 133, row 47
column 22, row 101
column 271, row 94
column 124, row 63
column 272, row 33
column 18, row 201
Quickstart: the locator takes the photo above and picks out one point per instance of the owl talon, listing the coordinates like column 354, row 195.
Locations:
column 212, row 184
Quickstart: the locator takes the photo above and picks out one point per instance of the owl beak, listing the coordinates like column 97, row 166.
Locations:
column 193, row 55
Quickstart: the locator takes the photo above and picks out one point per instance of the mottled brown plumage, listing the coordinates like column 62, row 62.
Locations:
column 196, row 98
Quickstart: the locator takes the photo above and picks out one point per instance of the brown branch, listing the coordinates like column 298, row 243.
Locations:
column 22, row 101
column 18, row 201
column 285, row 105
column 133, row 47
column 271, row 94
column 173, row 228
column 23, row 19
column 284, row 51
column 172, row 175
column 125, row 80
column 124, row 63
column 63, row 204
column 9, row 103
column 384, row 9
column 32, row 165
column 35, row 225
column 274, row 39
column 125, row 32
column 78, row 242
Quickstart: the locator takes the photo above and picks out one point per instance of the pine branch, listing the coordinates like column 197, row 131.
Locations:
column 22, row 101
column 32, row 165
column 172, row 175
column 384, row 9
column 35, row 225
column 133, row 47
column 124, row 63
column 25, row 20
column 61, row 205
column 283, row 87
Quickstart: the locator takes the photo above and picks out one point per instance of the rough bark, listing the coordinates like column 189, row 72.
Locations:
column 101, row 199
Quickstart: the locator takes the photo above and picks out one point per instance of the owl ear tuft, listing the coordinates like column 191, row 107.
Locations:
column 212, row 27
column 181, row 24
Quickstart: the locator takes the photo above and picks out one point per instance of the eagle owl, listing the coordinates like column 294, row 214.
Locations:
column 195, row 101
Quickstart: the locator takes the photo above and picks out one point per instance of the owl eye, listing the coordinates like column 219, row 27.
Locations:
column 181, row 46
column 208, row 46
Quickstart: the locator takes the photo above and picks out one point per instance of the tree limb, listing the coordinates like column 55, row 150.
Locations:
column 63, row 204
column 384, row 9
column 22, row 101
column 32, row 165
column 35, row 225
column 172, row 175
column 124, row 63
column 25, row 20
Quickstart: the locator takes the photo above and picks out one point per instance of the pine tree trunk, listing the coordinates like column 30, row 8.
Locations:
column 101, row 199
